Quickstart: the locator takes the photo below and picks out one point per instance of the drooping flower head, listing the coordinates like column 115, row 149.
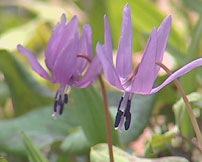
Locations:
column 140, row 80
column 62, row 61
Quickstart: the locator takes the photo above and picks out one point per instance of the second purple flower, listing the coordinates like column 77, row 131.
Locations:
column 62, row 61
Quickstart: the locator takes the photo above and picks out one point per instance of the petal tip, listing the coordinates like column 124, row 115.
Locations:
column 20, row 48
column 98, row 45
column 168, row 20
column 87, row 28
column 105, row 18
column 127, row 6
column 63, row 18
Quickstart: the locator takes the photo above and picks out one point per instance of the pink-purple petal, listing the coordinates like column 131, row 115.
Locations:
column 162, row 39
column 55, row 42
column 124, row 55
column 88, row 32
column 109, row 70
column 145, row 77
column 34, row 62
column 178, row 73
column 85, row 48
column 91, row 74
column 62, row 35
column 108, row 39
column 65, row 64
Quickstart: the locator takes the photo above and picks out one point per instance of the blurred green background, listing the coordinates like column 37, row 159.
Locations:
column 27, row 130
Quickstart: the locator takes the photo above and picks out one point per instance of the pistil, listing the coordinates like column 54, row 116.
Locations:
column 124, row 111
column 60, row 99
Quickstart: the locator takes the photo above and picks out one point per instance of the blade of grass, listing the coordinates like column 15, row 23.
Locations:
column 33, row 151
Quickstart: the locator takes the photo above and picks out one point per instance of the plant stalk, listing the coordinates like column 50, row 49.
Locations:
column 189, row 108
column 106, row 109
column 189, row 141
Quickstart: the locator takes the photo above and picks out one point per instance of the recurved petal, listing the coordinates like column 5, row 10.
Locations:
column 85, row 48
column 178, row 73
column 162, row 39
column 109, row 70
column 34, row 62
column 124, row 55
column 145, row 77
column 90, row 76
column 108, row 39
column 65, row 64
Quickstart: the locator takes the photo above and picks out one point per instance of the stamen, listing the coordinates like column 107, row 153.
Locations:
column 56, row 95
column 127, row 115
column 61, row 109
column 55, row 106
column 118, row 118
column 60, row 99
column 66, row 98
column 128, row 105
column 120, row 103
column 127, row 122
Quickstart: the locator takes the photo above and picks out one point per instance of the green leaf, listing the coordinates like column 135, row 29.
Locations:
column 141, row 106
column 45, row 10
column 100, row 153
column 22, row 85
column 196, row 5
column 3, row 159
column 197, row 33
column 76, row 143
column 181, row 114
column 12, row 16
column 39, row 125
column 96, row 17
column 85, row 108
column 32, row 150
column 34, row 35
column 160, row 141
column 4, row 93
column 89, row 109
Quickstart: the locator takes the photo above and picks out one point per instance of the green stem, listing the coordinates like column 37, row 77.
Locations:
column 189, row 108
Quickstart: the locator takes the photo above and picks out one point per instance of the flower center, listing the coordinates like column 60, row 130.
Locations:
column 126, row 82
column 124, row 111
column 60, row 99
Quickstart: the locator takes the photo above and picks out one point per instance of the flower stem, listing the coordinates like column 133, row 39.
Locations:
column 188, row 140
column 106, row 108
column 189, row 108
column 107, row 117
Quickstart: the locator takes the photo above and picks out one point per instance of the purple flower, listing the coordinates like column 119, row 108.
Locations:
column 62, row 61
column 142, row 79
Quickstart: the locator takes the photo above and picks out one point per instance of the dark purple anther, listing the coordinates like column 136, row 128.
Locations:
column 61, row 109
column 55, row 106
column 60, row 100
column 118, row 118
column 66, row 98
column 120, row 103
column 128, row 120
column 56, row 94
column 127, row 115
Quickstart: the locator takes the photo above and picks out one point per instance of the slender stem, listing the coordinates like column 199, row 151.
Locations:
column 106, row 108
column 188, row 140
column 109, row 133
column 189, row 108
